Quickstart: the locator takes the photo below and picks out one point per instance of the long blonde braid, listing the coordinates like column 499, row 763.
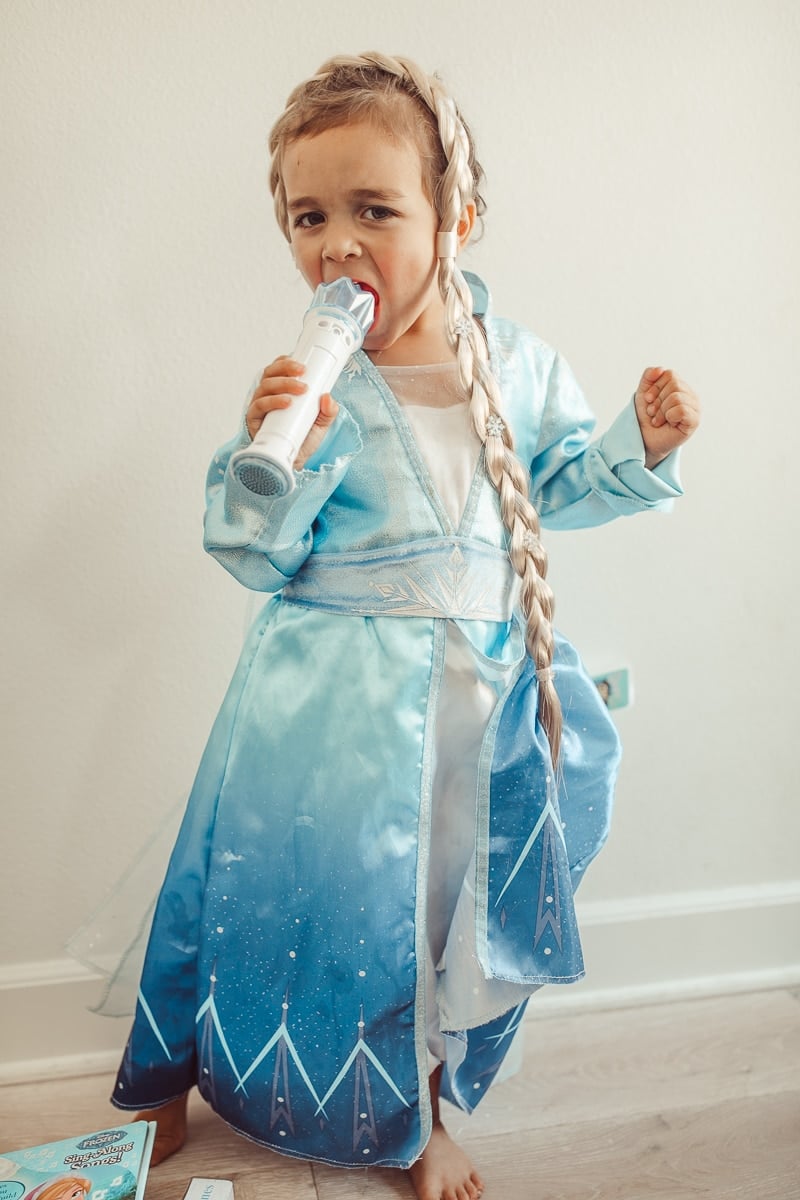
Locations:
column 345, row 88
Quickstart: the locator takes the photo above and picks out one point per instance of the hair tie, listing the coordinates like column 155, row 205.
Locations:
column 545, row 674
column 446, row 244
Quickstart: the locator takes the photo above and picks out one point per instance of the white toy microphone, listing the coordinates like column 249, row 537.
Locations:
column 334, row 327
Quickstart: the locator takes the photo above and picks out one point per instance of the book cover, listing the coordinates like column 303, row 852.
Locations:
column 110, row 1164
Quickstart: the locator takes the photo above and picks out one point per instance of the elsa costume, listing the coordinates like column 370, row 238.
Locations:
column 377, row 860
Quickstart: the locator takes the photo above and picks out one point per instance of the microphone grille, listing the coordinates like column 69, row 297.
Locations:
column 262, row 477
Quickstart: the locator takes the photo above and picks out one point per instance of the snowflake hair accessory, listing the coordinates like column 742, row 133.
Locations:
column 495, row 426
column 463, row 327
column 529, row 539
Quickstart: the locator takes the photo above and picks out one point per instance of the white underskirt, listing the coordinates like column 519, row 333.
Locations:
column 450, row 448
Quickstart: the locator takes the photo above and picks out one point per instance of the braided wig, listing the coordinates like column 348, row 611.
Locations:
column 405, row 103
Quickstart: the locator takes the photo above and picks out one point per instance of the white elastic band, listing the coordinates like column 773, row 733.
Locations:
column 544, row 674
column 447, row 244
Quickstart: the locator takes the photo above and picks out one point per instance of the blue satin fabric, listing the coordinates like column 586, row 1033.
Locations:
column 285, row 969
column 289, row 904
column 533, row 866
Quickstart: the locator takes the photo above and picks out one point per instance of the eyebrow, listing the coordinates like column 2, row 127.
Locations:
column 359, row 195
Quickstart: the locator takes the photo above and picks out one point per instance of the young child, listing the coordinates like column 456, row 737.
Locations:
column 376, row 865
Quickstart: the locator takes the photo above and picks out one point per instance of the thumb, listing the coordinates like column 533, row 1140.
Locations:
column 328, row 410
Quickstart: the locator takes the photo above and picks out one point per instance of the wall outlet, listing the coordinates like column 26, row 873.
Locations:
column 616, row 687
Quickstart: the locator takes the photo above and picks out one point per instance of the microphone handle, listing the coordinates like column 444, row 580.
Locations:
column 324, row 346
column 333, row 329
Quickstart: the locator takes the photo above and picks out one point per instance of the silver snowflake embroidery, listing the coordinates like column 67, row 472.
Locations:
column 453, row 590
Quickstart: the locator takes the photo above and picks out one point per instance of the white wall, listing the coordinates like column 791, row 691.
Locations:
column 643, row 198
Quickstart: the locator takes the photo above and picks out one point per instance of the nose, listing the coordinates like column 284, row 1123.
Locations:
column 340, row 242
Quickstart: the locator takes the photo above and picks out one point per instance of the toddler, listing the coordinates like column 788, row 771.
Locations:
column 410, row 770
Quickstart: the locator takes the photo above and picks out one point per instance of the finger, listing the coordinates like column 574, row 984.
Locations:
column 328, row 409
column 261, row 406
column 288, row 386
column 277, row 385
column 672, row 385
column 277, row 373
column 662, row 394
column 266, row 404
column 681, row 416
column 653, row 408
column 669, row 382
column 681, row 394
column 674, row 392
column 283, row 365
column 650, row 377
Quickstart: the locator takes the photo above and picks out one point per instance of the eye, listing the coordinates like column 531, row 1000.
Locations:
column 376, row 212
column 308, row 220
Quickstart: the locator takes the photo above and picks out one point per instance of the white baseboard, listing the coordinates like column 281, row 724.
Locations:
column 47, row 1030
column 684, row 945
column 642, row 950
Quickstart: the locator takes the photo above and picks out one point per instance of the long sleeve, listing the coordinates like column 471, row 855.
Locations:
column 579, row 482
column 264, row 540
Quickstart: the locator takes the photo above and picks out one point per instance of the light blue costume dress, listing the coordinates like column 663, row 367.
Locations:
column 286, row 970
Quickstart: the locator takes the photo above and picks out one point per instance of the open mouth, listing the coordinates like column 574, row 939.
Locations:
column 365, row 287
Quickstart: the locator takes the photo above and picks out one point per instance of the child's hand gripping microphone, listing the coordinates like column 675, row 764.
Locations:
column 334, row 327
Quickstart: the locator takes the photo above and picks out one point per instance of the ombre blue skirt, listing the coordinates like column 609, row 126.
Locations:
column 284, row 974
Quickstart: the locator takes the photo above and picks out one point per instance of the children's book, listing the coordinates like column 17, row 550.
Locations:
column 107, row 1165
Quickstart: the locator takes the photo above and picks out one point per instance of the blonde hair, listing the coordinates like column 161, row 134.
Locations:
column 405, row 102
column 61, row 1189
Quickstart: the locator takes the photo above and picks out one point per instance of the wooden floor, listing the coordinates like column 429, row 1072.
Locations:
column 667, row 1102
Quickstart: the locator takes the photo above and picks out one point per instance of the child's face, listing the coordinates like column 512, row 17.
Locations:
column 357, row 208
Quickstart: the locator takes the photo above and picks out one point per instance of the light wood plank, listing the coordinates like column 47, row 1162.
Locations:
column 373, row 1183
column 214, row 1151
column 41, row 1112
column 48, row 1111
column 663, row 1103
column 290, row 1181
column 738, row 1150
column 287, row 1181
column 625, row 1062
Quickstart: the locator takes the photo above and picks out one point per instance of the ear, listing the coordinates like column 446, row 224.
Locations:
column 466, row 224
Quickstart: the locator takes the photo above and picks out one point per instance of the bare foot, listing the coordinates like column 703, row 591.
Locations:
column 443, row 1171
column 171, row 1132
